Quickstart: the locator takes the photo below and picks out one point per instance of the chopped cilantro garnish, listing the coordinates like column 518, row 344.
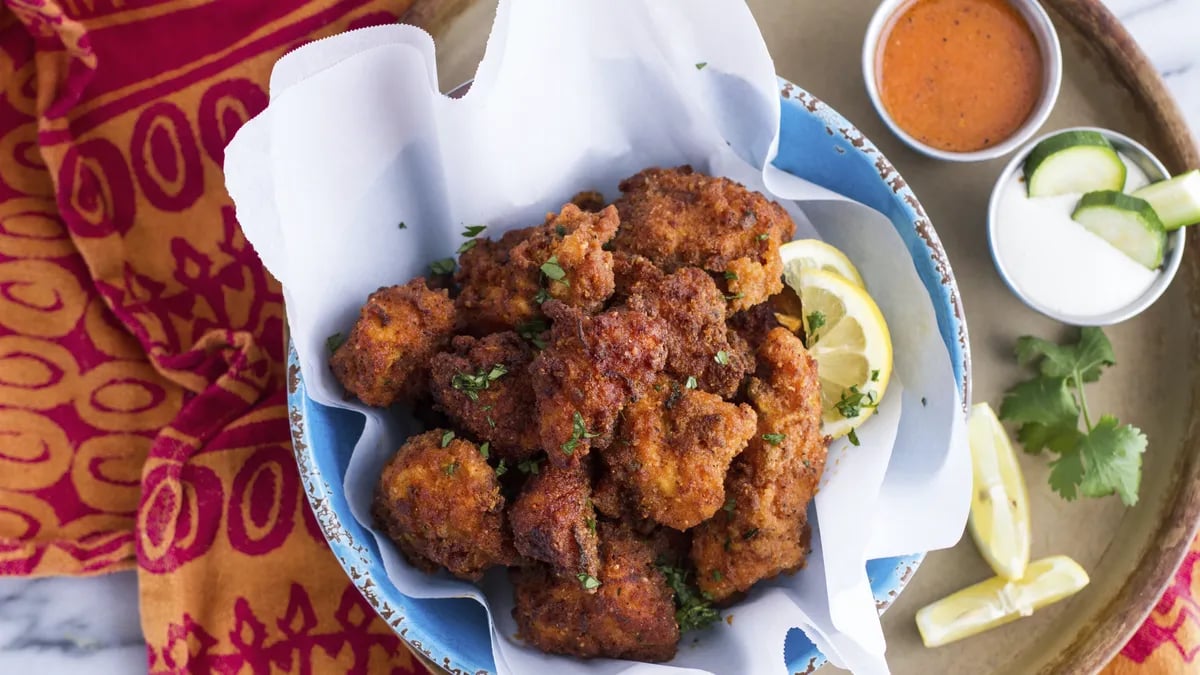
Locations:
column 588, row 581
column 560, row 230
column 692, row 609
column 443, row 266
column 403, row 226
column 578, row 432
column 750, row 534
column 447, row 437
column 763, row 237
column 541, row 296
column 334, row 341
column 501, row 469
column 722, row 357
column 474, row 230
column 691, row 382
column 730, row 504
column 853, row 401
column 450, row 468
column 591, row 523
column 774, row 439
column 554, row 271
column 467, row 246
column 529, row 465
column 471, row 384
column 853, row 437
column 700, row 65
column 731, row 276
column 532, row 331
column 483, row 449
column 816, row 320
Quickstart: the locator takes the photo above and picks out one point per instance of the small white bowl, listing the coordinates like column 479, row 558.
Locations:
column 1154, row 169
column 1047, row 38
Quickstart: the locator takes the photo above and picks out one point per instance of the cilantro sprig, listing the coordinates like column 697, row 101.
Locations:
column 1104, row 457
column 693, row 610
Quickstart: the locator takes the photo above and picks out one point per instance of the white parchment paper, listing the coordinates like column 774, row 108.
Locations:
column 574, row 96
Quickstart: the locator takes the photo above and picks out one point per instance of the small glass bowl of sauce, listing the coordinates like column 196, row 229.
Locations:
column 962, row 80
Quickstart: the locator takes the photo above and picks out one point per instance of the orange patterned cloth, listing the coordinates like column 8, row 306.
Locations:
column 141, row 387
column 141, row 391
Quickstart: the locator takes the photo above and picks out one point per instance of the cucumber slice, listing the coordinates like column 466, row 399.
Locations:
column 1126, row 222
column 1073, row 161
column 1175, row 200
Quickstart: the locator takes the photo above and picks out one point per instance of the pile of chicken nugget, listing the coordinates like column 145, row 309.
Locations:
column 615, row 413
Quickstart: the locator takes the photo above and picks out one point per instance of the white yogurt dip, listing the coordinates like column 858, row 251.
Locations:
column 1057, row 264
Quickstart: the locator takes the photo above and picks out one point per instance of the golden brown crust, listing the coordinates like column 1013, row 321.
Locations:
column 503, row 281
column 484, row 388
column 698, row 340
column 553, row 520
column 753, row 324
column 440, row 502
column 399, row 329
column 592, row 366
column 672, row 450
column 678, row 218
column 588, row 200
column 764, row 529
column 630, row 615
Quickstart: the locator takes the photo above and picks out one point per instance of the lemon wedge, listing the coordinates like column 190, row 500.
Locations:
column 849, row 339
column 999, row 519
column 998, row 601
column 804, row 255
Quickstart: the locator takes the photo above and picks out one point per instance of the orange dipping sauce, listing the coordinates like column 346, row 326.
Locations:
column 959, row 75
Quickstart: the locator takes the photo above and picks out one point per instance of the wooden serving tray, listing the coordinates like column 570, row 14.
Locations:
column 1130, row 554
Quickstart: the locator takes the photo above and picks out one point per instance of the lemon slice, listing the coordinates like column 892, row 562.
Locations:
column 998, row 601
column 1000, row 505
column 805, row 255
column 849, row 339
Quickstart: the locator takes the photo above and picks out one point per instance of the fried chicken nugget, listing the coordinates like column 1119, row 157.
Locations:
column 679, row 218
column 754, row 324
column 672, row 450
column 591, row 367
column 504, row 281
column 630, row 614
column 439, row 500
column 484, row 388
column 399, row 329
column 699, row 344
column 764, row 529
column 553, row 520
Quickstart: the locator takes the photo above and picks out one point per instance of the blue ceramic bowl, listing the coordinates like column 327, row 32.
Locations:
column 816, row 144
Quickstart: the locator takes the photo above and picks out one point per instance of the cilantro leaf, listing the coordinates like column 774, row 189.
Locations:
column 1066, row 473
column 474, row 230
column 1087, row 358
column 1044, row 400
column 1037, row 437
column 1112, row 455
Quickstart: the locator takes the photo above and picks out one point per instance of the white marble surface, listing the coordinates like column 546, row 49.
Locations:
column 50, row 626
